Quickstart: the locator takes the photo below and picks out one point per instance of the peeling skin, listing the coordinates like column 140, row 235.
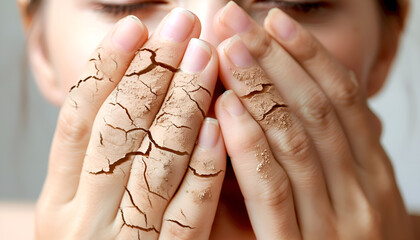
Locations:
column 202, row 196
column 203, row 175
column 261, row 89
column 263, row 167
column 153, row 65
column 149, row 134
column 262, row 98
column 179, row 224
column 169, row 140
column 273, row 108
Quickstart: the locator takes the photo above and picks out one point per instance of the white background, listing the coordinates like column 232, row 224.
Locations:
column 27, row 122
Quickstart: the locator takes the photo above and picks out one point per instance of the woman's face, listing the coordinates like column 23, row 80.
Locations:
column 349, row 29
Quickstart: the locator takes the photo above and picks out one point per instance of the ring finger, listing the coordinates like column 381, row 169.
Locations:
column 263, row 182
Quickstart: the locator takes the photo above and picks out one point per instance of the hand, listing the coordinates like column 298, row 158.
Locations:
column 123, row 162
column 300, row 136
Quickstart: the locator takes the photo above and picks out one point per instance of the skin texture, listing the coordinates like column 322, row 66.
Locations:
column 308, row 162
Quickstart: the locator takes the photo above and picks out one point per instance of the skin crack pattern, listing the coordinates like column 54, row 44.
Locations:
column 135, row 99
column 264, row 102
column 157, row 151
column 179, row 224
column 100, row 73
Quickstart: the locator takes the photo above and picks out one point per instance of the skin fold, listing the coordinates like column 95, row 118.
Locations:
column 135, row 155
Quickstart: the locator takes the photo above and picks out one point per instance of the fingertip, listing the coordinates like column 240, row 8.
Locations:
column 280, row 25
column 128, row 34
column 209, row 133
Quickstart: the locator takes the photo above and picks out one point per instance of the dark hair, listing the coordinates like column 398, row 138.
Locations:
column 389, row 6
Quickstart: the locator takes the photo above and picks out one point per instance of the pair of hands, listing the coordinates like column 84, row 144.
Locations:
column 125, row 163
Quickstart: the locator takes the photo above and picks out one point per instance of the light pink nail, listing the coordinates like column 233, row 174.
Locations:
column 196, row 57
column 236, row 18
column 209, row 133
column 232, row 104
column 282, row 25
column 128, row 33
column 178, row 25
column 238, row 53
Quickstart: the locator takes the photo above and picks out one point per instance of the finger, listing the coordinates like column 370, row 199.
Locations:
column 343, row 89
column 125, row 117
column 190, row 214
column 263, row 183
column 102, row 73
column 308, row 102
column 286, row 136
column 156, row 176
column 339, row 84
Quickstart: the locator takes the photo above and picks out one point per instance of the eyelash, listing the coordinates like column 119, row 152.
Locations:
column 125, row 9
column 299, row 7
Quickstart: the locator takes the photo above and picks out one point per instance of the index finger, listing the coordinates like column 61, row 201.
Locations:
column 102, row 73
column 339, row 84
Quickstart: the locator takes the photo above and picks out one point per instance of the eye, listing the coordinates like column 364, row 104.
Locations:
column 302, row 11
column 303, row 7
column 116, row 9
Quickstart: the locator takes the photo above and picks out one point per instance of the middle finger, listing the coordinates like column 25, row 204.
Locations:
column 304, row 97
column 128, row 112
column 155, row 177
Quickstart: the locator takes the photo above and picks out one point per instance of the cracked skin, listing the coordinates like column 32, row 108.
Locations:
column 178, row 111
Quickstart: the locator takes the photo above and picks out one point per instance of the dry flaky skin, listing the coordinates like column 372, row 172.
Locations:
column 263, row 101
column 264, row 163
column 161, row 171
column 107, row 66
column 135, row 100
column 150, row 123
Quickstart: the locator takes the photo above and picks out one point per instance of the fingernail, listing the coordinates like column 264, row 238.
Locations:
column 128, row 33
column 281, row 25
column 235, row 18
column 196, row 57
column 178, row 25
column 232, row 104
column 238, row 53
column 209, row 133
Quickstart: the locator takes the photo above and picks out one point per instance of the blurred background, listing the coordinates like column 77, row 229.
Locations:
column 27, row 121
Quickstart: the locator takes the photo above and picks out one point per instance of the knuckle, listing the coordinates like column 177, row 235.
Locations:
column 325, row 229
column 307, row 48
column 295, row 145
column 247, row 141
column 72, row 128
column 370, row 223
column 315, row 108
column 277, row 195
column 347, row 92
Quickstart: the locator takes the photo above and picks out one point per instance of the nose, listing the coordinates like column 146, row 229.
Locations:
column 205, row 11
